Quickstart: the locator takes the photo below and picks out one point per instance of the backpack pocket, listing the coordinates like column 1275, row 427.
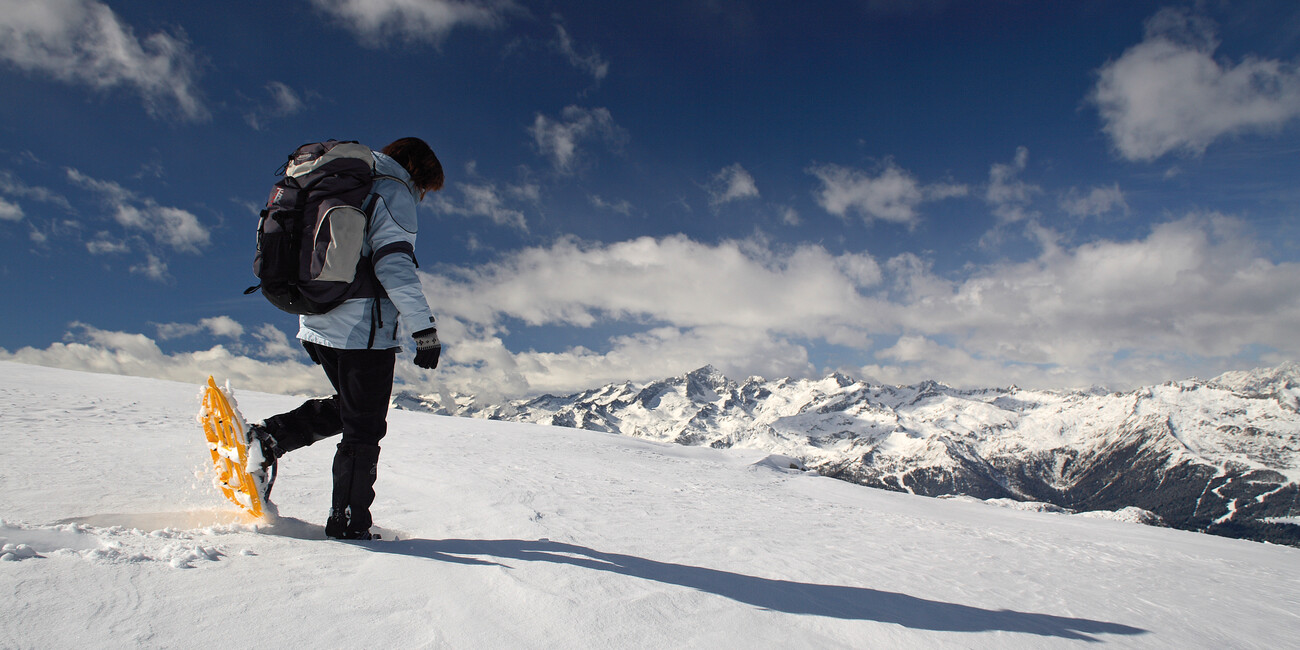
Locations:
column 276, row 261
column 340, row 235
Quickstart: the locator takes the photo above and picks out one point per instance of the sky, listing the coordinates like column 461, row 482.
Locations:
column 983, row 193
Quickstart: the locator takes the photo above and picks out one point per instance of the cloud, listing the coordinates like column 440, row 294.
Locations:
column 1195, row 292
column 737, row 283
column 892, row 195
column 84, row 42
column 487, row 200
column 12, row 186
column 558, row 140
column 621, row 206
column 1195, row 295
column 378, row 23
column 1007, row 194
column 10, row 211
column 733, row 183
column 172, row 227
column 1095, row 202
column 283, row 101
column 88, row 348
column 592, row 64
column 104, row 244
column 218, row 326
column 1170, row 94
column 696, row 303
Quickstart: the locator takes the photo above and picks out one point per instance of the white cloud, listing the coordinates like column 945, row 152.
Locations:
column 282, row 101
column 173, row 227
column 380, row 22
column 123, row 353
column 1193, row 292
column 559, row 139
column 487, row 200
column 1169, row 93
column 593, row 64
column 10, row 211
column 622, row 206
column 1095, row 202
column 217, row 326
column 733, row 183
column 84, row 42
column 892, row 195
column 1010, row 196
column 153, row 267
column 1196, row 295
column 790, row 216
column 104, row 244
column 674, row 279
column 11, row 185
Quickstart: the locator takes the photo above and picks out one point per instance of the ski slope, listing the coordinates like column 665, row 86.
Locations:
column 516, row 535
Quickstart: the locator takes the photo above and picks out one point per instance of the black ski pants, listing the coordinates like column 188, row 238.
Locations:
column 363, row 384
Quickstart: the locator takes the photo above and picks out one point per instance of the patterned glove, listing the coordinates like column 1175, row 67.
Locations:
column 427, row 348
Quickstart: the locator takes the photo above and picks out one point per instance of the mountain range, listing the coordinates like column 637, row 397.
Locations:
column 1219, row 456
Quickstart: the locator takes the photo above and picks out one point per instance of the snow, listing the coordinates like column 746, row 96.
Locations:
column 519, row 535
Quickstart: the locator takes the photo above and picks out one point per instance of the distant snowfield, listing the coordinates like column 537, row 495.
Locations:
column 525, row 536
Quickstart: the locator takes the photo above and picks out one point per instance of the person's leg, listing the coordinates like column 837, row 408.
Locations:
column 315, row 420
column 365, row 384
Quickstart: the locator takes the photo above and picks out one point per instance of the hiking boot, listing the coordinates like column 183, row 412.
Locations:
column 336, row 527
column 271, row 453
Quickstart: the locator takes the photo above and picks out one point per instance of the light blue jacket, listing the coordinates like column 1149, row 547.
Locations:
column 392, row 233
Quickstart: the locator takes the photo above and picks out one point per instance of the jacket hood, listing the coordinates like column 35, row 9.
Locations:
column 386, row 166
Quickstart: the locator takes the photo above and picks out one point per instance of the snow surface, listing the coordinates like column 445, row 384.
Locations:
column 524, row 536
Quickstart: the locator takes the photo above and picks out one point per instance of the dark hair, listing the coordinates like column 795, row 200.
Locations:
column 418, row 159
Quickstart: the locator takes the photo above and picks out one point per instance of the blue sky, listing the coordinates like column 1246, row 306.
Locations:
column 1052, row 194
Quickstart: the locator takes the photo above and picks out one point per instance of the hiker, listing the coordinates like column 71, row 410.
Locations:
column 356, row 342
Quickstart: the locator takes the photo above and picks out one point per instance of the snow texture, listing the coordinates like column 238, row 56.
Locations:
column 525, row 536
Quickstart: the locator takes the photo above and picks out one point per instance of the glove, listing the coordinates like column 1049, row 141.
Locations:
column 427, row 348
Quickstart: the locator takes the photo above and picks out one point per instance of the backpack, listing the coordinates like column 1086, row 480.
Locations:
column 311, row 233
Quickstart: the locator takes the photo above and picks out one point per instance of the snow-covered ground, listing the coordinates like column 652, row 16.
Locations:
column 525, row 536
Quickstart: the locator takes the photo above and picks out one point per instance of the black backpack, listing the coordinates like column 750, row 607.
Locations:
column 310, row 234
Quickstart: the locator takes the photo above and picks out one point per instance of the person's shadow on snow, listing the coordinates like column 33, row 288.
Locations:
column 855, row 603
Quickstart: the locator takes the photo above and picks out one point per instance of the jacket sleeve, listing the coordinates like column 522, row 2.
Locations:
column 392, row 241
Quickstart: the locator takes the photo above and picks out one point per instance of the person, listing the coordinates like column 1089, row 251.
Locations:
column 356, row 344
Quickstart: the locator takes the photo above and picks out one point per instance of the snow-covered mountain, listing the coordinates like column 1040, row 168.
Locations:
column 1219, row 456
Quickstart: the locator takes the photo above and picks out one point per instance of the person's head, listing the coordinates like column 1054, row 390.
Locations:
column 419, row 160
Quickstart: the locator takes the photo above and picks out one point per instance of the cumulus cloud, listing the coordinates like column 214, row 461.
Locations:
column 378, row 23
column 122, row 353
column 1193, row 294
column 733, row 183
column 559, row 139
column 1170, row 94
column 1196, row 295
column 891, row 195
column 1119, row 312
column 592, row 64
column 173, row 227
column 84, row 42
